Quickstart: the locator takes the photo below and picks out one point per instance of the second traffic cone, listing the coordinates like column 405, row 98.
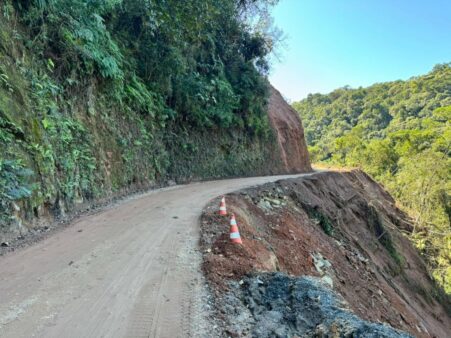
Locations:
column 234, row 232
column 222, row 207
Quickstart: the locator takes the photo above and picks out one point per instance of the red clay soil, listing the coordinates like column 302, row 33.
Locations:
column 373, row 264
column 287, row 126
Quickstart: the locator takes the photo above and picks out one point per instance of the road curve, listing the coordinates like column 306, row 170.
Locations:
column 128, row 271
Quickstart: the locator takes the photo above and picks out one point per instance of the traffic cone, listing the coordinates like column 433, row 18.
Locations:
column 222, row 207
column 234, row 233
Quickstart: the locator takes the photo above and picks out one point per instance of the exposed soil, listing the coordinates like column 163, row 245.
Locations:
column 128, row 271
column 45, row 227
column 287, row 125
column 340, row 227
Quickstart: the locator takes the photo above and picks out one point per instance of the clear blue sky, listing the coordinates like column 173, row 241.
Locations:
column 333, row 43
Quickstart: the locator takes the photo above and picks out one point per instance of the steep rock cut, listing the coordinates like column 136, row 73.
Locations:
column 115, row 120
column 289, row 132
column 121, row 170
column 344, row 231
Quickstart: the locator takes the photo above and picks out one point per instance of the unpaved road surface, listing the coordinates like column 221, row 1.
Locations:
column 129, row 271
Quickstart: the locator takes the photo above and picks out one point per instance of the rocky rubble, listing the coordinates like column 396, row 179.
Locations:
column 340, row 228
column 277, row 305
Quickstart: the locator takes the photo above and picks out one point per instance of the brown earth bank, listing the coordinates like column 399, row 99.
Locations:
column 341, row 227
column 287, row 125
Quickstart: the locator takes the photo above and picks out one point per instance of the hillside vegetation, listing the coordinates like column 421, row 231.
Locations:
column 99, row 97
column 400, row 133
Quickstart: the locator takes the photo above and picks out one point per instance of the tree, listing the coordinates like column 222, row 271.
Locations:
column 400, row 133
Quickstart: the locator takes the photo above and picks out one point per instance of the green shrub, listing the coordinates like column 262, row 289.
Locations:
column 14, row 185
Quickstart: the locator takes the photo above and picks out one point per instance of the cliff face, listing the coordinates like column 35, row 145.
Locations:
column 289, row 131
column 344, row 231
column 91, row 159
column 93, row 107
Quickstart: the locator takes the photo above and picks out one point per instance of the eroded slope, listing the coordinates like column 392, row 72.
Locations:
column 287, row 125
column 340, row 227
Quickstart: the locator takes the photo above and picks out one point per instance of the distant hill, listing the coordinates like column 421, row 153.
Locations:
column 400, row 133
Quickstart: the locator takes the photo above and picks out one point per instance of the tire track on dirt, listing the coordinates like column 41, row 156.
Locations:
column 132, row 270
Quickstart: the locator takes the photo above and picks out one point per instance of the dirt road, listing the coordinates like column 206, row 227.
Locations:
column 129, row 271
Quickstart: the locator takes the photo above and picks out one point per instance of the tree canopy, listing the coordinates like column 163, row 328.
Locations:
column 200, row 61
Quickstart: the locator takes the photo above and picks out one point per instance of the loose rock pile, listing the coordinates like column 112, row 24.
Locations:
column 277, row 305
column 310, row 243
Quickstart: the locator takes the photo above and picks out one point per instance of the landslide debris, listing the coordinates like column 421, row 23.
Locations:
column 277, row 305
column 343, row 231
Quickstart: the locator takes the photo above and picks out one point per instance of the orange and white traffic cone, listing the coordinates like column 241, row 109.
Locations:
column 234, row 232
column 222, row 207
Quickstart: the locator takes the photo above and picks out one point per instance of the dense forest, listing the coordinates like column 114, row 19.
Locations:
column 400, row 133
column 99, row 96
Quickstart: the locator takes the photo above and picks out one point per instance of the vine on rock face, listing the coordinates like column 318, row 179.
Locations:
column 14, row 186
